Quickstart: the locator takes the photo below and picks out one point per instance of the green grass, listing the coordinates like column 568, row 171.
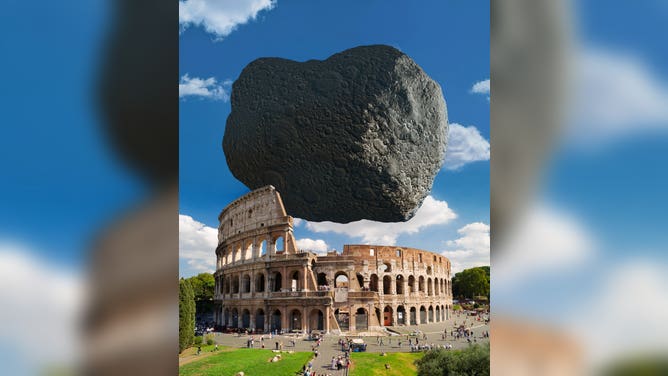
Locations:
column 251, row 361
column 372, row 364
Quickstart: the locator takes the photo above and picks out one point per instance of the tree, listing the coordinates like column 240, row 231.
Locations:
column 471, row 283
column 186, row 314
column 203, row 286
column 472, row 361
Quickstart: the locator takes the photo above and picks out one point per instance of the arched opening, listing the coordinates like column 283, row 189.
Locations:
column 401, row 315
column 423, row 315
column 343, row 319
column 235, row 285
column 278, row 282
column 245, row 283
column 430, row 288
column 428, row 270
column 387, row 316
column 431, row 314
column 361, row 320
column 413, row 316
column 341, row 280
column 360, row 281
column 400, row 284
column 438, row 314
column 378, row 315
column 259, row 319
column 226, row 317
column 245, row 318
column 295, row 319
column 373, row 283
column 294, row 281
column 411, row 284
column 322, row 281
column 444, row 315
column 316, row 320
column 227, row 285
column 421, row 284
column 263, row 248
column 385, row 267
column 235, row 318
column 280, row 244
column 276, row 320
column 387, row 285
column 259, row 282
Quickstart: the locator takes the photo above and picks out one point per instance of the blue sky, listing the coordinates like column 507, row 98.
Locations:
column 448, row 39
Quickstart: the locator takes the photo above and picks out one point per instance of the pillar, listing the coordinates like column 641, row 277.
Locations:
column 326, row 319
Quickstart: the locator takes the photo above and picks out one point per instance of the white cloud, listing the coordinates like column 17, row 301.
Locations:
column 297, row 222
column 220, row 17
column 481, row 87
column 627, row 314
column 318, row 246
column 197, row 245
column 432, row 212
column 204, row 87
column 615, row 94
column 39, row 321
column 465, row 145
column 546, row 240
column 471, row 249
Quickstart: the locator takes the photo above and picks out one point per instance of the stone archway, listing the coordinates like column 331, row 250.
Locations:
column 401, row 315
column 387, row 316
column 317, row 320
column 245, row 318
column 259, row 319
column 276, row 317
column 413, row 316
column 423, row 315
column 361, row 320
column 295, row 319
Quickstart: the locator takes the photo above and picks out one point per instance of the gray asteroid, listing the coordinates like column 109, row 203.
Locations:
column 360, row 135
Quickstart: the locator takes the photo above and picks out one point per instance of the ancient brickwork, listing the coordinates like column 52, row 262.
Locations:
column 263, row 282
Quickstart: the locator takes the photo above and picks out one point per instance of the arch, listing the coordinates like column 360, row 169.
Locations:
column 361, row 320
column 421, row 284
column 276, row 320
column 316, row 320
column 295, row 284
column 235, row 318
column 343, row 319
column 295, row 319
column 360, row 281
column 443, row 313
column 423, row 315
column 387, row 316
column 245, row 318
column 399, row 288
column 259, row 282
column 387, row 285
column 226, row 317
column 430, row 288
column 263, row 248
column 411, row 284
column 413, row 316
column 226, row 285
column 431, row 314
column 245, row 283
column 438, row 313
column 385, row 267
column 322, row 279
column 247, row 252
column 401, row 315
column 279, row 244
column 428, row 270
column 341, row 279
column 259, row 319
column 235, row 285
column 278, row 282
column 373, row 283
column 435, row 286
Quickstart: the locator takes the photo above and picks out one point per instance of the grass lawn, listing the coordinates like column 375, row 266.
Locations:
column 229, row 361
column 371, row 364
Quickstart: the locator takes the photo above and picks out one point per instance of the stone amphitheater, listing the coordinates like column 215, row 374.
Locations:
column 265, row 283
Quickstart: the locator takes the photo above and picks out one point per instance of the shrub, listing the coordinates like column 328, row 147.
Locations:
column 198, row 341
column 456, row 307
column 209, row 339
column 472, row 361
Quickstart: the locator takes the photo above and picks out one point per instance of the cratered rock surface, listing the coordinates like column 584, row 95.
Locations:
column 360, row 135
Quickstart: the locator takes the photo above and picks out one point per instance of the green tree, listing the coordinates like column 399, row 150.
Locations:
column 203, row 286
column 472, row 282
column 472, row 361
column 186, row 314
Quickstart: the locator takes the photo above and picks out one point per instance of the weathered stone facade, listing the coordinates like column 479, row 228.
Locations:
column 263, row 282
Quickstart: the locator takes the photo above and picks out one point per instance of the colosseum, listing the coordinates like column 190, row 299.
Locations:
column 264, row 283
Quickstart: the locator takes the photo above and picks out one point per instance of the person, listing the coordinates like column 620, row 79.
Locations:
column 276, row 345
column 199, row 350
column 215, row 347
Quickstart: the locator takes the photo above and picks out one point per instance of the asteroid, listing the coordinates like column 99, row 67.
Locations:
column 359, row 135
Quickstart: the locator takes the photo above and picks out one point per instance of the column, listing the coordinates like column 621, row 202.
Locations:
column 326, row 319
column 304, row 279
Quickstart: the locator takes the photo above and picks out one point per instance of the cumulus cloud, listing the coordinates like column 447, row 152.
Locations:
column 197, row 245
column 318, row 246
column 465, row 145
column 432, row 212
column 297, row 222
column 220, row 17
column 616, row 94
column 41, row 304
column 481, row 87
column 547, row 240
column 471, row 249
column 627, row 314
column 204, row 87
